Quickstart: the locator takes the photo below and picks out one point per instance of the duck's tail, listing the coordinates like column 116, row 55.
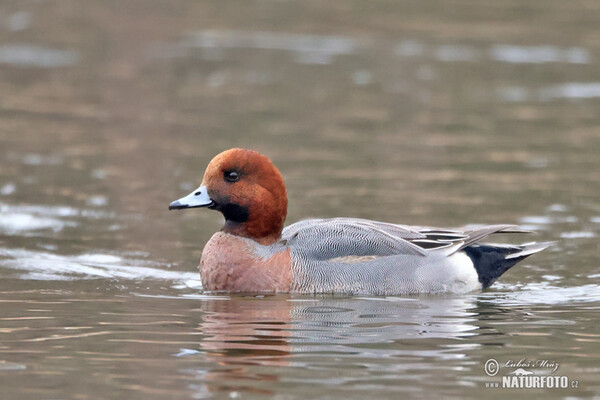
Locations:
column 492, row 260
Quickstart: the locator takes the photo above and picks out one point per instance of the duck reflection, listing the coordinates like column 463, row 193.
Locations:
column 247, row 330
column 243, row 339
column 247, row 340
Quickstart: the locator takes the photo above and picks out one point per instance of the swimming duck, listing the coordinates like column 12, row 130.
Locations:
column 253, row 252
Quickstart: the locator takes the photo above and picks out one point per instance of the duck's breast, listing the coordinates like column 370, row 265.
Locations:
column 236, row 264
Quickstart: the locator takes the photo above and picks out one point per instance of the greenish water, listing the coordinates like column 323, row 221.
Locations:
column 431, row 113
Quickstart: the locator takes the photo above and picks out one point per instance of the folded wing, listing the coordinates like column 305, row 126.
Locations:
column 325, row 239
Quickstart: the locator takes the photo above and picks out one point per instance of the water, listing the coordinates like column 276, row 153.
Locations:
column 420, row 113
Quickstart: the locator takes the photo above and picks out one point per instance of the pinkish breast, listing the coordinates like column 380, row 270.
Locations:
column 232, row 263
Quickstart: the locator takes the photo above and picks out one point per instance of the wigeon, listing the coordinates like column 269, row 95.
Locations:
column 253, row 252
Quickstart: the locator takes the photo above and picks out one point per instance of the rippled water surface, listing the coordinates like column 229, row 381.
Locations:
column 430, row 113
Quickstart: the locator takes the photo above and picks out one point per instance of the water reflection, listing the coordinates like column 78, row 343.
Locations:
column 243, row 333
column 308, row 49
column 37, row 56
column 247, row 330
column 539, row 54
column 201, row 346
column 392, row 340
column 48, row 266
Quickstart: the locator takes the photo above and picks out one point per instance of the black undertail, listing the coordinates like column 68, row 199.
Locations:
column 491, row 261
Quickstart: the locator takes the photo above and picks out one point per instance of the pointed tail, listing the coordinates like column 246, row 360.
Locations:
column 492, row 260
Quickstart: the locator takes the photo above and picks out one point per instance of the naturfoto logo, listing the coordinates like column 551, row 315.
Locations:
column 527, row 374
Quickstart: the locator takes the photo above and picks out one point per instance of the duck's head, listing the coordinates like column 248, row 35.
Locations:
column 247, row 189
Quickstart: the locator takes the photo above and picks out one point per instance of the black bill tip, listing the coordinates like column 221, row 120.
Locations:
column 176, row 205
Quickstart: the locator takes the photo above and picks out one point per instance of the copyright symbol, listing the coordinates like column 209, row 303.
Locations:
column 491, row 367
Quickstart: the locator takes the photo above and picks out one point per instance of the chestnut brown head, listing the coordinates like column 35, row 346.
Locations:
column 247, row 189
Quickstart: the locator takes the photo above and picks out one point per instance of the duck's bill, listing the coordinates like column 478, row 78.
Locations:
column 198, row 198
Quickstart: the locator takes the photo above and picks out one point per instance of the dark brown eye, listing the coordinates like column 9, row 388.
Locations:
column 232, row 176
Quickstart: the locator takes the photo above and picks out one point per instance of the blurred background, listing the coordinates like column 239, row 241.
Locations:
column 431, row 113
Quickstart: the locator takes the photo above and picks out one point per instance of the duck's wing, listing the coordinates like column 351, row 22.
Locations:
column 327, row 239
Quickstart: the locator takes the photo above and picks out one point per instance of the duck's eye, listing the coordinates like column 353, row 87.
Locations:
column 232, row 176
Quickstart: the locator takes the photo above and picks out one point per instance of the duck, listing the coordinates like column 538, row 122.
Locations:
column 255, row 253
